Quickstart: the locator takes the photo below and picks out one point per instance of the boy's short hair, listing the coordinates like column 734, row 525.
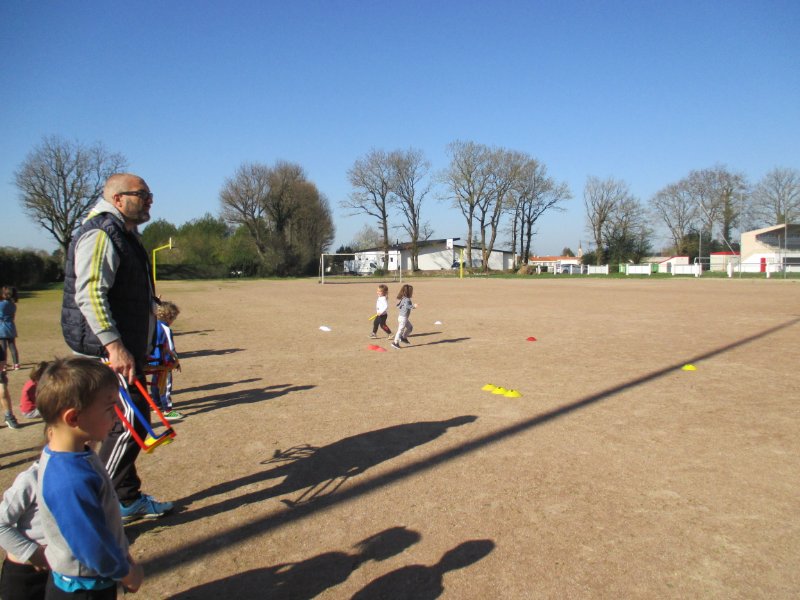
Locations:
column 167, row 311
column 71, row 383
column 384, row 288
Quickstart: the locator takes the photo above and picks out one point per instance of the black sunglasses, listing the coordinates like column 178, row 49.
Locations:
column 139, row 194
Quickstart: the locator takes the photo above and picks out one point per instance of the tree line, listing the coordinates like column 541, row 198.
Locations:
column 273, row 220
column 701, row 212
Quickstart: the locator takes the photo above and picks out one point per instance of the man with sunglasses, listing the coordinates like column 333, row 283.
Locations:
column 108, row 312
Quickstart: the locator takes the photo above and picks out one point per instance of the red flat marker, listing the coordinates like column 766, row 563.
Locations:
column 376, row 348
column 531, row 339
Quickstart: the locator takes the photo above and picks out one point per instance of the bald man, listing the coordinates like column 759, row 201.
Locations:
column 108, row 312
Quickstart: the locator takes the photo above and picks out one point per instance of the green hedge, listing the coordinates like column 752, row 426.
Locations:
column 29, row 268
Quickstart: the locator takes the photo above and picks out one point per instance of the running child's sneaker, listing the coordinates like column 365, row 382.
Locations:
column 396, row 346
column 145, row 507
column 11, row 421
column 173, row 415
column 373, row 336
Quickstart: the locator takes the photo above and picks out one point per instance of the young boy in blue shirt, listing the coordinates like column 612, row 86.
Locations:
column 86, row 545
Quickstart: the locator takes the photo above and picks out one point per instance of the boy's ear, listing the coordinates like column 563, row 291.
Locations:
column 70, row 417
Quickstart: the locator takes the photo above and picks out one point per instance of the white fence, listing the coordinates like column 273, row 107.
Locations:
column 687, row 270
column 597, row 270
column 638, row 270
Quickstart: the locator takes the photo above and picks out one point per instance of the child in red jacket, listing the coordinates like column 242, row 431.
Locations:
column 27, row 400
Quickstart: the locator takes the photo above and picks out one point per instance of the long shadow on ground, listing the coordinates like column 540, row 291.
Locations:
column 308, row 578
column 315, row 472
column 216, row 385
column 421, row 582
column 447, row 341
column 253, row 395
column 195, row 332
column 28, row 455
column 220, row 352
column 221, row 540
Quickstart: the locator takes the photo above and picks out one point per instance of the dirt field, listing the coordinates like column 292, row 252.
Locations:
column 310, row 466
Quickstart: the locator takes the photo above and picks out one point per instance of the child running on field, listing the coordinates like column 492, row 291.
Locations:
column 381, row 308
column 5, row 397
column 164, row 355
column 86, row 546
column 404, row 306
column 25, row 571
column 27, row 399
column 8, row 330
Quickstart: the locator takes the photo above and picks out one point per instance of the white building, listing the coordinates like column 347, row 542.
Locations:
column 719, row 261
column 771, row 248
column 435, row 255
column 558, row 264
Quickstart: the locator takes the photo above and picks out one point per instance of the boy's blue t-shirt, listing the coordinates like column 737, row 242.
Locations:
column 81, row 520
column 159, row 344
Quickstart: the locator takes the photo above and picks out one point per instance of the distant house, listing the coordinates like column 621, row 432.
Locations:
column 771, row 248
column 435, row 255
column 719, row 261
column 557, row 264
column 664, row 264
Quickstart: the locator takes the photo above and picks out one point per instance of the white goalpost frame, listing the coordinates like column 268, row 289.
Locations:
column 398, row 276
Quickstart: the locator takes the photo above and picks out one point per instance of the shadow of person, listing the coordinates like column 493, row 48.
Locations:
column 213, row 386
column 308, row 578
column 446, row 341
column 316, row 472
column 321, row 471
column 218, row 352
column 418, row 582
column 195, row 332
column 211, row 402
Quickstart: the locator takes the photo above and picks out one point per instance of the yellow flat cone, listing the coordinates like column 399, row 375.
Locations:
column 489, row 387
column 688, row 368
column 499, row 390
column 512, row 394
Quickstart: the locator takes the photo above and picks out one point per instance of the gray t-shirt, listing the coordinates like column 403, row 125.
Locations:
column 21, row 531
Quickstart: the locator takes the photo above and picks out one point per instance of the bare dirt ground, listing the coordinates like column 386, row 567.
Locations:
column 310, row 466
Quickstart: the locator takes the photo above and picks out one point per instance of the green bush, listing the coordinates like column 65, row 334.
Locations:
column 28, row 269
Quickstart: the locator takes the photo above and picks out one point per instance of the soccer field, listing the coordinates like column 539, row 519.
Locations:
column 309, row 465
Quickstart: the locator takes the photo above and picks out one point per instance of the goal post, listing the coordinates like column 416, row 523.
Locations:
column 349, row 264
column 334, row 263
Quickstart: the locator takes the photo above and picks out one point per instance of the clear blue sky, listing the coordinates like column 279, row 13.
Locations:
column 643, row 91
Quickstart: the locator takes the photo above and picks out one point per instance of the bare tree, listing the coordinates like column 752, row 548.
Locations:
column 721, row 196
column 367, row 237
column 311, row 229
column 370, row 177
column 601, row 198
column 534, row 194
column 289, row 220
column 679, row 212
column 625, row 232
column 282, row 200
column 503, row 169
column 244, row 198
column 409, row 170
column 60, row 180
column 467, row 181
column 776, row 198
